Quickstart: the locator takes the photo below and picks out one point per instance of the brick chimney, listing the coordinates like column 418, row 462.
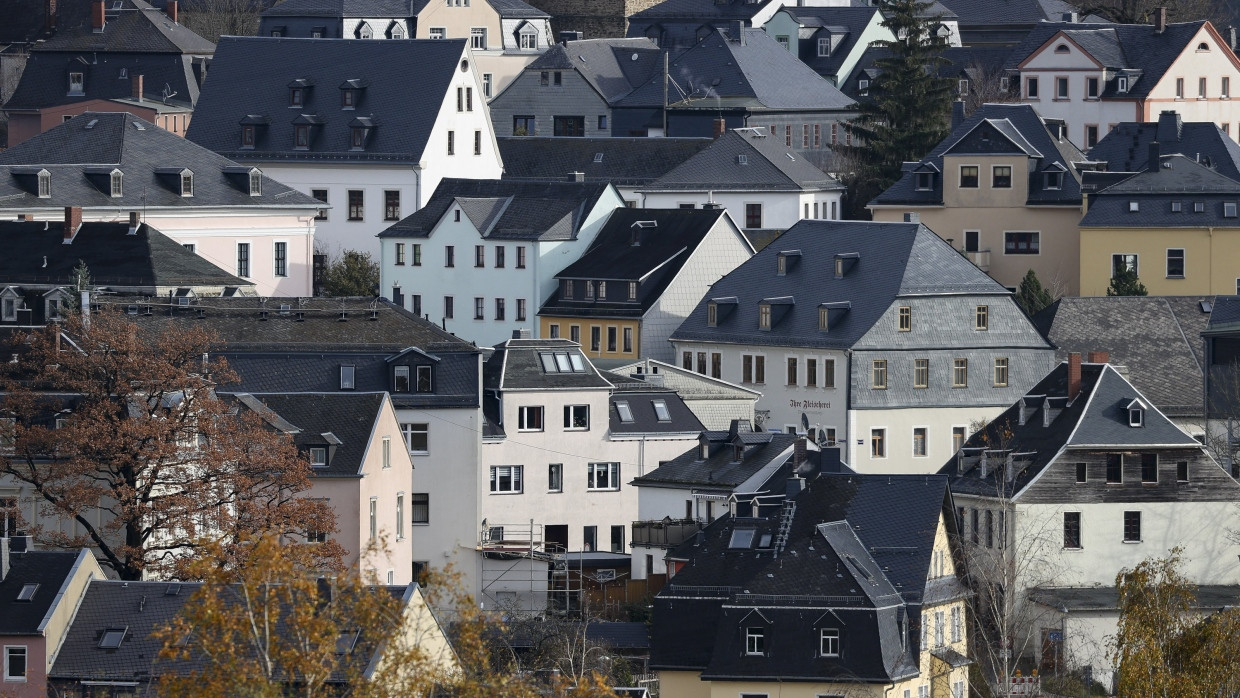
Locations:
column 1160, row 20
column 720, row 127
column 135, row 219
column 171, row 10
column 97, row 19
column 798, row 453
column 49, row 16
column 1074, row 375
column 73, row 221
column 1099, row 357
column 136, row 85
column 1155, row 157
column 958, row 116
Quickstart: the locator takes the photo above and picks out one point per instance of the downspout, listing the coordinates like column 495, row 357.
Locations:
column 848, row 412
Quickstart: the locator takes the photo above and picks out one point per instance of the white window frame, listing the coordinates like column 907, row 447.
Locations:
column 570, row 417
column 603, row 477
column 523, row 418
column 409, row 429
column 400, row 516
column 925, row 441
column 755, row 641
column 25, row 651
column 829, row 642
column 515, row 475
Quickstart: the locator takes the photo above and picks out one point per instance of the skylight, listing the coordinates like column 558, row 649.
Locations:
column 741, row 538
column 626, row 412
column 660, row 410
column 112, row 638
column 346, row 641
column 561, row 362
column 27, row 592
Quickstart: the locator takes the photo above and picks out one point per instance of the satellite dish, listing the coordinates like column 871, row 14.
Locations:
column 804, row 423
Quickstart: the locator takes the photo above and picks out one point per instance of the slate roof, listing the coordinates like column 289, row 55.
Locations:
column 1224, row 315
column 400, row 9
column 1097, row 418
column 1157, row 338
column 1008, row 12
column 47, row 568
column 351, row 418
column 1008, row 121
column 719, row 470
column 147, row 156
column 819, row 22
column 35, row 253
column 138, row 28
column 645, row 420
column 750, row 160
column 250, row 77
column 508, row 210
column 757, row 73
column 1126, row 147
column 1180, row 180
column 613, row 67
column 895, row 259
column 516, row 9
column 663, row 251
column 516, row 365
column 623, row 161
column 702, row 11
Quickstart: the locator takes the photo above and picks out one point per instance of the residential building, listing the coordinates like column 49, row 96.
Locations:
column 131, row 58
column 481, row 257
column 818, row 591
column 1175, row 224
column 596, row 19
column 1126, row 147
column 1004, row 189
column 678, row 25
column 40, row 591
column 640, row 278
column 764, row 183
column 830, row 40
column 627, row 163
column 332, row 119
column 1086, row 475
column 714, row 401
column 895, row 349
column 504, row 35
column 1222, row 374
column 1094, row 76
column 117, row 168
column 1005, row 25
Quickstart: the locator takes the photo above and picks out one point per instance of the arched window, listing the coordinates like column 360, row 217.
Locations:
column 45, row 184
column 1062, row 48
column 116, row 183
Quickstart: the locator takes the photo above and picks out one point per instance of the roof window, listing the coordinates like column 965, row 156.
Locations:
column 115, row 184
column 561, row 362
column 660, row 410
column 925, row 181
column 785, row 260
column 742, row 539
column 27, row 592
column 348, row 375
column 625, row 412
column 844, row 263
column 187, row 183
column 112, row 638
column 1229, row 209
column 45, row 184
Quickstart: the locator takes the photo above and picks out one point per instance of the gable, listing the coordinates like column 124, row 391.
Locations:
column 1061, row 52
column 1216, row 61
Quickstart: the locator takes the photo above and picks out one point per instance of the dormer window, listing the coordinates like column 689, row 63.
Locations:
column 781, row 265
column 703, row 450
column 824, row 47
column 424, row 379
column 296, row 96
column 301, row 137
column 829, row 642
column 1136, row 414
column 400, row 381
column 1054, row 180
column 45, row 184
column 365, row 32
column 567, row 290
column 844, row 262
column 824, row 318
column 187, row 183
column 755, row 638
column 925, row 181
column 114, row 184
column 256, row 182
column 1121, row 83
column 359, row 132
column 76, row 84
column 589, row 289
column 764, row 316
column 1134, row 206
column 830, row 314
column 247, row 137
column 347, row 377
column 712, row 314
column 318, row 456
column 527, row 37
column 348, row 99
column 632, row 290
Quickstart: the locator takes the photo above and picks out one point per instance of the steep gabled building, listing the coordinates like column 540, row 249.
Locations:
column 1127, row 147
column 831, row 40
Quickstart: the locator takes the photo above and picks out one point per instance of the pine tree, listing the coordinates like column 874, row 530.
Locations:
column 909, row 108
column 1031, row 296
column 1126, row 283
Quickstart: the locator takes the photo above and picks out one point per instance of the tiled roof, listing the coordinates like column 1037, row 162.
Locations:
column 250, row 77
column 351, row 418
column 623, row 635
column 746, row 159
column 1126, row 147
column 894, row 259
column 613, row 67
column 517, row 365
column 379, row 9
column 757, row 73
column 510, row 210
column 1206, row 597
column 46, row 568
column 1224, row 314
column 1180, row 181
column 149, row 159
column 621, row 161
column 645, row 418
column 1157, row 338
column 170, row 80
column 720, row 470
column 138, row 28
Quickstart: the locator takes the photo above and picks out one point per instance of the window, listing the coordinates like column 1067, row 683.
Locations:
column 1021, row 243
column 1175, row 263
column 1091, row 88
column 487, row 81
column 811, row 373
column 957, row 627
column 321, row 195
column 1001, row 177
column 925, row 181
column 968, row 176
column 1149, row 468
column 1179, row 88
column 611, row 345
column 555, row 477
column 960, row 373
column 506, row 478
column 1082, row 473
column 479, row 308
column 243, row 259
column 764, row 316
column 15, row 657
column 529, row 40
column 1123, row 262
column 520, row 309
column 451, row 142
column 793, row 376
column 521, row 256
column 958, row 436
column 374, row 518
column 1054, row 180
column 603, row 476
column 863, row 89
column 76, row 83
column 755, row 641
column 878, row 374
column 1229, row 209
column 499, row 308
column 1201, row 88
column 416, row 300
column 523, row 125
column 919, row 442
column 589, row 538
column 1132, row 527
column 824, row 47
column 569, row 126
column 828, row 373
column 596, row 338
column 356, row 204
column 686, row 360
column 981, row 317
column 1225, row 90
column 187, row 184
column 878, row 443
column 1199, row 207
column 829, row 642
column 391, row 205
column 1031, row 88
column 116, row 181
column 478, row 37
column 906, row 318
column 660, row 410
column 477, row 142
column 437, row 32
column 628, row 341
column 318, row 456
column 1091, row 135
column 1115, row 468
column 617, row 539
column 759, row 369
column 301, row 137
column 753, row 215
column 400, row 515
column 1001, row 372
column 530, row 418
column 400, row 254
column 921, row 373
column 1121, row 84
column 417, row 437
column 281, row 258
column 574, row 333
column 1061, row 88
column 577, row 417
column 448, row 307
column 939, row 636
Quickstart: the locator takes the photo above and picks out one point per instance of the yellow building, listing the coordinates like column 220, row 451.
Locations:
column 1175, row 224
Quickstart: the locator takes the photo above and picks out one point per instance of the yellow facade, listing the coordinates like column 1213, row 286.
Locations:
column 626, row 334
column 1211, row 259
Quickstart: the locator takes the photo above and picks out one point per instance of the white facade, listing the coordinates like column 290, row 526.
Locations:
column 779, row 209
column 934, row 427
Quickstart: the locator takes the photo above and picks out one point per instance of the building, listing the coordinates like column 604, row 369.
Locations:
column 1222, row 375
column 1175, row 224
column 678, row 25
column 875, row 335
column 714, row 401
column 332, row 119
column 118, row 168
column 818, row 587
column 830, row 40
column 131, row 58
column 40, row 591
column 591, row 19
column 763, row 181
column 988, row 24
column 495, row 246
column 1127, row 147
column 1004, row 189
column 1087, row 476
column 640, row 278
column 1094, row 76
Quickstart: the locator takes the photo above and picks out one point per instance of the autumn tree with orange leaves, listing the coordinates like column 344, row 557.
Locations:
column 126, row 448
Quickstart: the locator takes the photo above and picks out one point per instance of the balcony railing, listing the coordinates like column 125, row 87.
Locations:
column 981, row 258
column 665, row 533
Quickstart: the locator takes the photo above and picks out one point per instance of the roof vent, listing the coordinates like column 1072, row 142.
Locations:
column 91, row 124
column 646, row 224
column 598, row 157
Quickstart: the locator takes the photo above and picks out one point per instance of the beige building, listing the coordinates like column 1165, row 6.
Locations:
column 1004, row 189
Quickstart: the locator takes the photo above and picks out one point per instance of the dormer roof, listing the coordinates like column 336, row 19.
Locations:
column 343, row 421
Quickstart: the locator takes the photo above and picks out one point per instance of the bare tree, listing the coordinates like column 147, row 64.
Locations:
column 212, row 19
column 1142, row 11
column 988, row 84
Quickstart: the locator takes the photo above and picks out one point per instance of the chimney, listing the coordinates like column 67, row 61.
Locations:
column 49, row 16
column 1160, row 20
column 794, row 486
column 957, row 113
column 1231, row 37
column 1154, row 159
column 521, row 334
column 73, row 221
column 4, row 558
column 1074, row 375
column 135, row 219
column 737, row 30
column 576, row 176
column 798, row 453
column 721, row 127
column 96, row 16
column 912, row 217
column 1099, row 357
column 171, row 10
column 136, row 87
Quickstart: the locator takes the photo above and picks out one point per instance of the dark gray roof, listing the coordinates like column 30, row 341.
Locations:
column 351, row 418
column 516, row 9
column 820, row 22
column 149, row 159
column 664, row 249
column 997, row 128
column 1157, row 338
column 894, row 259
column 757, row 73
column 170, row 79
column 613, row 67
column 1206, row 597
column 621, row 636
column 621, row 161
column 746, row 159
column 1126, row 147
column 645, row 419
column 1225, row 314
column 36, row 254
column 719, row 470
column 1180, row 181
column 516, row 364
column 508, row 210
column 138, row 28
column 380, row 9
column 702, row 10
column 49, row 569
column 1007, row 12
column 250, row 76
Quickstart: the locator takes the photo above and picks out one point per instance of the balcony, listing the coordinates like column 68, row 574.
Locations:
column 666, row 532
column 981, row 258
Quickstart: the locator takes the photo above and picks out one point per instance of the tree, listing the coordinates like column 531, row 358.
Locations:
column 1163, row 647
column 909, row 108
column 1031, row 296
column 988, row 84
column 119, row 432
column 212, row 19
column 353, row 273
column 1142, row 11
column 1126, row 283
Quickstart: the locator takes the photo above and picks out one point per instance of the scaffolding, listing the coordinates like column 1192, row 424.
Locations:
column 522, row 571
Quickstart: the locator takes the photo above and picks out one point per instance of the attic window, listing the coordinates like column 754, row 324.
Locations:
column 256, row 182
column 347, row 375
column 1054, row 180
column 115, row 184
column 598, row 157
column 27, row 592
column 829, row 642
column 296, row 96
column 301, row 137
column 1229, row 209
column 781, row 265
column 660, row 410
column 1177, row 206
column 318, row 456
column 1199, row 207
column 365, row 32
column 824, row 47
column 764, row 316
column 76, row 83
column 1121, row 83
column 925, row 181
column 112, row 638
column 348, row 99
column 1134, row 206
column 357, row 138
column 742, row 538
column 742, row 159
column 863, row 87
column 247, row 136
column 561, row 362
column 45, row 184
column 712, row 314
column 1203, row 46
column 187, row 183
column 1062, row 48
column 824, row 318
column 625, row 412
column 1136, row 414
